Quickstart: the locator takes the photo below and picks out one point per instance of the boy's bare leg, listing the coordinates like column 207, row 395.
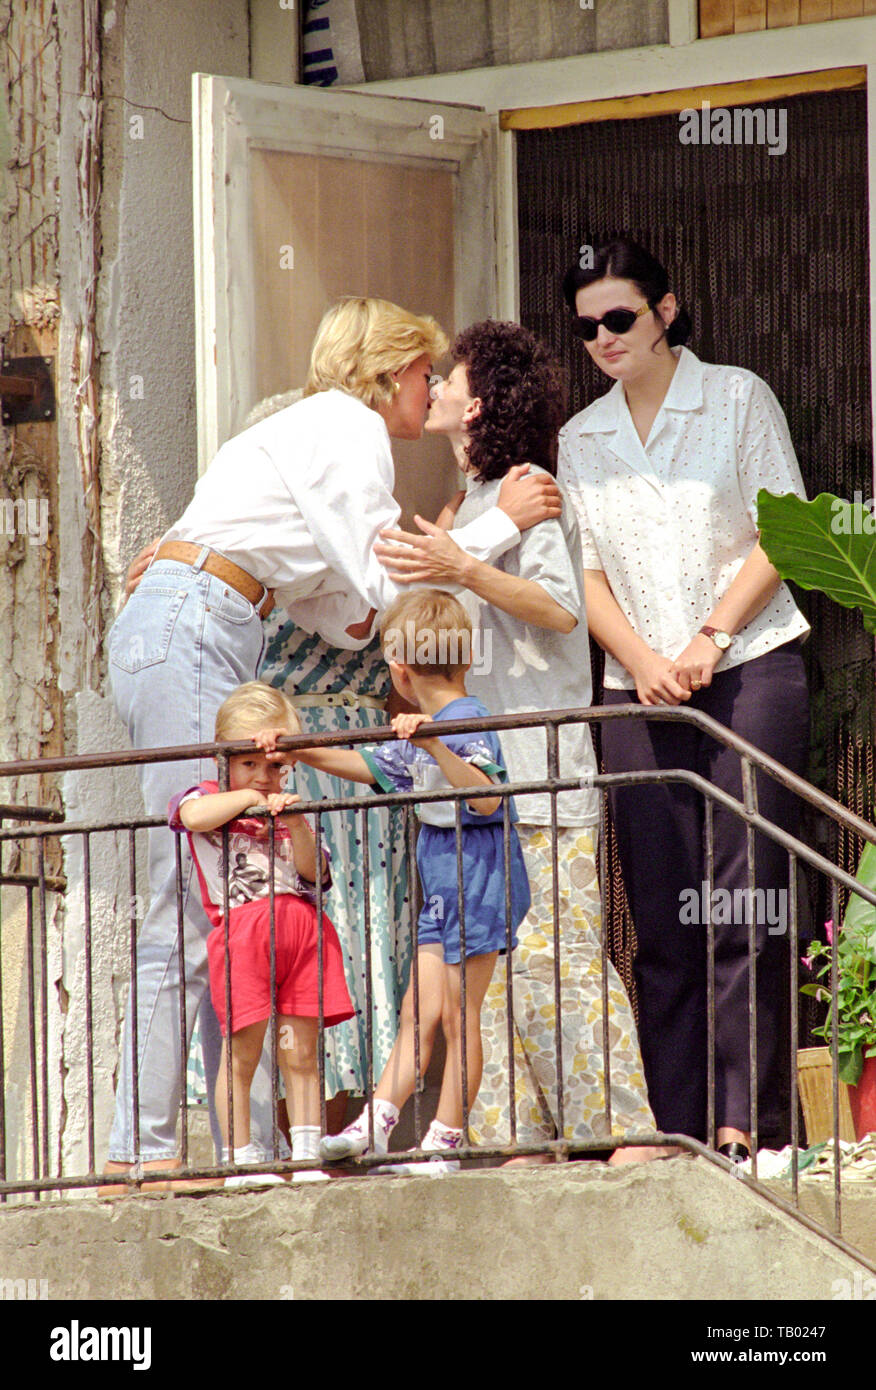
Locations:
column 478, row 973
column 400, row 1075
column 246, row 1050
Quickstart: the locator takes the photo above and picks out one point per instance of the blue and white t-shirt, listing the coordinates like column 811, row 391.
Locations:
column 401, row 766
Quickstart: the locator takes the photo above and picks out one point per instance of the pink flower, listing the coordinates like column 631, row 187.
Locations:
column 828, row 930
column 807, row 961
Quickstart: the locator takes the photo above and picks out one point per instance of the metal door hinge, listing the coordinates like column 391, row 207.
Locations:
column 27, row 390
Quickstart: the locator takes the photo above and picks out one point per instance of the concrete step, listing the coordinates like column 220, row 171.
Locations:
column 675, row 1229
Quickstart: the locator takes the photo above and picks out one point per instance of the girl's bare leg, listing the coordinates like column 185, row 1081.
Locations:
column 478, row 973
column 297, row 1040
column 246, row 1049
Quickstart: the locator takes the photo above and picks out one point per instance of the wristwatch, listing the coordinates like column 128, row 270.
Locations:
column 721, row 640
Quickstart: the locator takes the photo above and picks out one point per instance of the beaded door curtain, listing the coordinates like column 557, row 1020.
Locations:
column 769, row 252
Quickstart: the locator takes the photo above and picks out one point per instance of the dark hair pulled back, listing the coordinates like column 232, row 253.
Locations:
column 624, row 259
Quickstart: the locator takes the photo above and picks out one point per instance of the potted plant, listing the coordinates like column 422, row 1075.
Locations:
column 830, row 544
column 855, row 947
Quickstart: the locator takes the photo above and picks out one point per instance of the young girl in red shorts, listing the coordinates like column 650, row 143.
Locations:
column 202, row 811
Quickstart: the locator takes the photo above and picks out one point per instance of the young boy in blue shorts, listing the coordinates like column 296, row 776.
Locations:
column 426, row 638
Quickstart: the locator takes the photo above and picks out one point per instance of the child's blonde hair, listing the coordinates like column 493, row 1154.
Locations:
column 253, row 706
column 429, row 630
column 360, row 342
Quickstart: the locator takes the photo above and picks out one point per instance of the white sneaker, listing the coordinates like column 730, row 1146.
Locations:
column 348, row 1144
column 430, row 1168
column 250, row 1153
column 310, row 1175
column 254, row 1180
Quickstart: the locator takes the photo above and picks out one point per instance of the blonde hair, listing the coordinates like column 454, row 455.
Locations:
column 429, row 630
column 253, row 706
column 361, row 342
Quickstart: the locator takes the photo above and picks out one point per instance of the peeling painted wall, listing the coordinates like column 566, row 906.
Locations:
column 29, row 312
column 145, row 331
column 31, row 716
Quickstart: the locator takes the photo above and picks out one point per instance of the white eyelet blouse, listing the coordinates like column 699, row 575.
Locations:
column 670, row 523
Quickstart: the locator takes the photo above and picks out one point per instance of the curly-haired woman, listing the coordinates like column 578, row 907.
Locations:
column 501, row 406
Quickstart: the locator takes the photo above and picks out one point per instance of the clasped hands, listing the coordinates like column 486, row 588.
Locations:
column 660, row 681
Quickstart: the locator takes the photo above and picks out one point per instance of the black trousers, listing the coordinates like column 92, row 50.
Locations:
column 662, row 852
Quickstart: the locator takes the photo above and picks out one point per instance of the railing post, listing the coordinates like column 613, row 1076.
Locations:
column 553, row 761
column 183, row 1021
column 749, row 793
column 460, row 900
column 711, row 1134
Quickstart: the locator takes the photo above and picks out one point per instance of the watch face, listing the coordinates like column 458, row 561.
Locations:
column 722, row 640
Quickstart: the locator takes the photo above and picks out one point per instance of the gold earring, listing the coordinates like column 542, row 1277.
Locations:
column 395, row 386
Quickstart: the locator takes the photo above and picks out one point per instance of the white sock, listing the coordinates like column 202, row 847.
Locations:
column 305, row 1141
column 385, row 1121
column 244, row 1154
column 442, row 1137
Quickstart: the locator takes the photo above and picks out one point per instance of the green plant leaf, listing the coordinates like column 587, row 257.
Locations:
column 860, row 915
column 851, row 1064
column 815, row 991
column 827, row 544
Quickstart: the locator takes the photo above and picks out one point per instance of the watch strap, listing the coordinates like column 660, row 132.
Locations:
column 714, row 633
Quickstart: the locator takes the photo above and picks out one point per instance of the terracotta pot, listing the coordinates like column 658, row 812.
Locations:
column 862, row 1099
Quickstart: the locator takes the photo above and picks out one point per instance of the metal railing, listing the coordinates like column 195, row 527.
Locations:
column 35, row 826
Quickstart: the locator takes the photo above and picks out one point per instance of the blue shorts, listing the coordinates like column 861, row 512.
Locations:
column 483, row 877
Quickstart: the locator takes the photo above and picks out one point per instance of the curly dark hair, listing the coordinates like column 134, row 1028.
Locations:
column 522, row 393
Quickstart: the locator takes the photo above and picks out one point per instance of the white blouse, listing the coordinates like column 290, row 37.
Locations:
column 299, row 500
column 671, row 523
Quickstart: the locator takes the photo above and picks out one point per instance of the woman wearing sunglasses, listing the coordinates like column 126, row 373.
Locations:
column 664, row 472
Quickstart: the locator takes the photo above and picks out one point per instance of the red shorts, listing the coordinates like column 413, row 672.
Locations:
column 295, row 938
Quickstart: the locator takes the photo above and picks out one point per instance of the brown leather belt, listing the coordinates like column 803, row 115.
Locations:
column 188, row 553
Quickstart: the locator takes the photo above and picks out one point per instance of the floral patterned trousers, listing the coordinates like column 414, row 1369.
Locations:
column 534, row 1013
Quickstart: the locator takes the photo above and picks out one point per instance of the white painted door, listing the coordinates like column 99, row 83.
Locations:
column 303, row 195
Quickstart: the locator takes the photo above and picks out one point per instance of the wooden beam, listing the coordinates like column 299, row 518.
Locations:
column 811, row 11
column 716, row 17
column 669, row 103
column 782, row 12
column 748, row 15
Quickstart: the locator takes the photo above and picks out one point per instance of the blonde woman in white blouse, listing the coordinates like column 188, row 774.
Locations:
column 664, row 472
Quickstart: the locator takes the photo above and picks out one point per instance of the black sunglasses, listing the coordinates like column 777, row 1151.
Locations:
column 616, row 321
